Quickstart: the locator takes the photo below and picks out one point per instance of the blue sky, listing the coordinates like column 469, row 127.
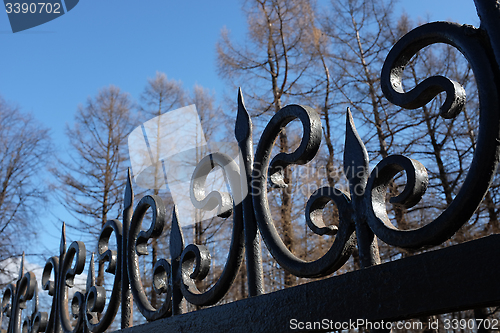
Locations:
column 51, row 69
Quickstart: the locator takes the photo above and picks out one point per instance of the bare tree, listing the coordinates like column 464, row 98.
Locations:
column 25, row 149
column 90, row 183
column 160, row 95
column 362, row 33
column 271, row 66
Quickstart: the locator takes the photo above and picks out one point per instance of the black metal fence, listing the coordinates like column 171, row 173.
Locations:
column 440, row 281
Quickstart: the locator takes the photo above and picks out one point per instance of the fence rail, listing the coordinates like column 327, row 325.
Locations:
column 435, row 282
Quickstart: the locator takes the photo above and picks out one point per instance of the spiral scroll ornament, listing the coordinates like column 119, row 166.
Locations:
column 471, row 43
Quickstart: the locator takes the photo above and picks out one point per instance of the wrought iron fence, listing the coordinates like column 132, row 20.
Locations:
column 441, row 280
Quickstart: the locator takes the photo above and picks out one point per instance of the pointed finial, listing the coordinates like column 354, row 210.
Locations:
column 21, row 268
column 129, row 191
column 62, row 247
column 91, row 273
column 176, row 237
column 243, row 126
column 355, row 155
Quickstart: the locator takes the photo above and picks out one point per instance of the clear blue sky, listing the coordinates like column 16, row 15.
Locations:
column 49, row 70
